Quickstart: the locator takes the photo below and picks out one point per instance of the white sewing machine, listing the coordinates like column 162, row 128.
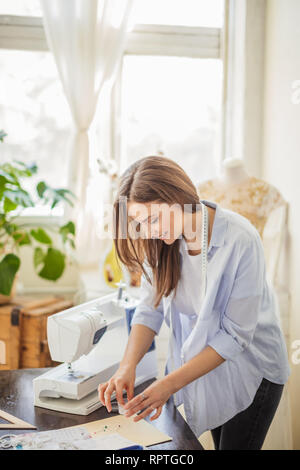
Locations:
column 90, row 340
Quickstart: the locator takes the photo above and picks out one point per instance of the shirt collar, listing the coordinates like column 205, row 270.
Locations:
column 219, row 225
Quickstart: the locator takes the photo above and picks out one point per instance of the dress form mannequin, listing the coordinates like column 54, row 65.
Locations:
column 236, row 190
column 234, row 172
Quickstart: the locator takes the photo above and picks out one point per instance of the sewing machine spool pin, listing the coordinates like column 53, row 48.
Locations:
column 121, row 286
column 70, row 369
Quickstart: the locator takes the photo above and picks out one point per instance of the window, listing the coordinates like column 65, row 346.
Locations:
column 172, row 106
column 20, row 7
column 171, row 86
column 208, row 13
column 33, row 109
column 35, row 115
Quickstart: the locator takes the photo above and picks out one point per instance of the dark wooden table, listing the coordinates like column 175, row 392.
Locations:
column 16, row 398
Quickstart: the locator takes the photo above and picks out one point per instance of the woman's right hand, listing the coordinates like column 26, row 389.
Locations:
column 123, row 379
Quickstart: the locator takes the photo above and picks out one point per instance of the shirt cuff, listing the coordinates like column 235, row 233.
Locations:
column 225, row 345
column 152, row 323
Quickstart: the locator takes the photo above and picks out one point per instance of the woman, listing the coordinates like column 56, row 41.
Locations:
column 204, row 271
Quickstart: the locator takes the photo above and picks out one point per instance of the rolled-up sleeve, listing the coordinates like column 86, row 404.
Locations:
column 240, row 317
column 145, row 313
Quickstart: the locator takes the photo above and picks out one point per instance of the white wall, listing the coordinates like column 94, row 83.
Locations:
column 281, row 150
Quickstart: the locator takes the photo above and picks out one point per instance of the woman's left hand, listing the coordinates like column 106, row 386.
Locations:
column 152, row 398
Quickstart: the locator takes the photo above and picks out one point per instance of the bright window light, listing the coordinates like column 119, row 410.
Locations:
column 20, row 7
column 207, row 13
column 172, row 106
column 35, row 115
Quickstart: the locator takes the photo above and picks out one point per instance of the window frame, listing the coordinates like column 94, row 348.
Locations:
column 243, row 86
column 25, row 33
column 166, row 40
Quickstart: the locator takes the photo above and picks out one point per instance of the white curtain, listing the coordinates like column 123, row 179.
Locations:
column 87, row 39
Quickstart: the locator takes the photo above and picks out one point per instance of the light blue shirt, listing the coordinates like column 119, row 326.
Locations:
column 239, row 318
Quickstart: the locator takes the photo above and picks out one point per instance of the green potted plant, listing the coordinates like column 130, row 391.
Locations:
column 49, row 260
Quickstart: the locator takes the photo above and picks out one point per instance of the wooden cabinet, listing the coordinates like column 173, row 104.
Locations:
column 23, row 331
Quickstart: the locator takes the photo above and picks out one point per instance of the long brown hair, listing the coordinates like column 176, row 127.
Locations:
column 150, row 179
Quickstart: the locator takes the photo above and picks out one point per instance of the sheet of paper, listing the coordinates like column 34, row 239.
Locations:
column 106, row 434
column 140, row 432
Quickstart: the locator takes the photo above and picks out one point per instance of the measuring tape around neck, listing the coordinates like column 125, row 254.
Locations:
column 204, row 244
column 204, row 249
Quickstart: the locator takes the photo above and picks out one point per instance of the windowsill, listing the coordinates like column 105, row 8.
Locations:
column 94, row 284
column 41, row 215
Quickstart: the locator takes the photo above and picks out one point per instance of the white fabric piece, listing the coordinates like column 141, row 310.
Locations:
column 87, row 39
